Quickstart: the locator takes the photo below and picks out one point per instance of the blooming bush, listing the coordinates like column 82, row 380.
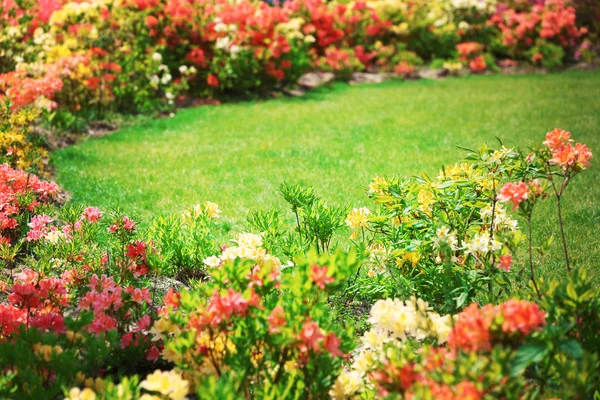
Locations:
column 541, row 31
column 18, row 146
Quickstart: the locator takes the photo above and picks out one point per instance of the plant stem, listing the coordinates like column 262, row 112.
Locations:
column 562, row 233
column 535, row 286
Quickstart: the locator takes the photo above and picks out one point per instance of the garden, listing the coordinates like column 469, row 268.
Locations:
column 312, row 199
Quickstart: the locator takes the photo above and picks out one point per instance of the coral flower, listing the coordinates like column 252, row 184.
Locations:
column 319, row 276
column 506, row 262
column 514, row 192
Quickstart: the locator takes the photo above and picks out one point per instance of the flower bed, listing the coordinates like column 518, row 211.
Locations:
column 95, row 307
column 85, row 60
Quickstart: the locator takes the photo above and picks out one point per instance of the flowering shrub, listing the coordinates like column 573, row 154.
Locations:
column 18, row 146
column 541, row 31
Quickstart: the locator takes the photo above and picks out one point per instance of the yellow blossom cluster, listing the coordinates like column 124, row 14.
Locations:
column 167, row 383
column 248, row 247
column 393, row 321
column 208, row 209
column 15, row 142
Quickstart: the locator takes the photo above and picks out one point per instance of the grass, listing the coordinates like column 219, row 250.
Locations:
column 337, row 140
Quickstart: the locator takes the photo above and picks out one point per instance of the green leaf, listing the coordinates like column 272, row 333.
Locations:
column 528, row 354
column 571, row 292
column 460, row 300
column 572, row 348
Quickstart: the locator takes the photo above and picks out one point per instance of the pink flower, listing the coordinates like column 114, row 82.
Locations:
column 515, row 192
column 102, row 323
column 128, row 224
column 153, row 353
column 505, row 263
column 92, row 214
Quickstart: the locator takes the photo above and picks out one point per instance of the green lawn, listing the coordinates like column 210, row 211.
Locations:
column 338, row 139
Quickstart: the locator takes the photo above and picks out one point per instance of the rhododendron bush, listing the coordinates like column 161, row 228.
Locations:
column 84, row 60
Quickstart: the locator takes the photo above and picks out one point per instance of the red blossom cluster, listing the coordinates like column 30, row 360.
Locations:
column 471, row 52
column 476, row 328
column 20, row 192
column 343, row 34
column 514, row 192
column 319, row 276
column 106, row 299
column 137, row 252
column 521, row 191
column 393, row 377
column 34, row 301
column 312, row 338
column 564, row 154
column 220, row 309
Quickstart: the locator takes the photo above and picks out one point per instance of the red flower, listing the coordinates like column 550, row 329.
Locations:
column 521, row 316
column 472, row 329
column 151, row 21
column 514, row 192
column 332, row 345
column 212, row 80
column 310, row 336
column 196, row 56
column 478, row 64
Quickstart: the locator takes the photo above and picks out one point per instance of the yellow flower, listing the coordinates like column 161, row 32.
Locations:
column 426, row 199
column 169, row 383
column 412, row 257
column 47, row 351
column 358, row 217
column 78, row 394
column 212, row 209
column 378, row 185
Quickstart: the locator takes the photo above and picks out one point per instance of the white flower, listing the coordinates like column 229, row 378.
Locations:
column 166, row 79
column 249, row 240
column 183, row 69
column 157, row 57
column 213, row 261
column 169, row 96
column 223, row 42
